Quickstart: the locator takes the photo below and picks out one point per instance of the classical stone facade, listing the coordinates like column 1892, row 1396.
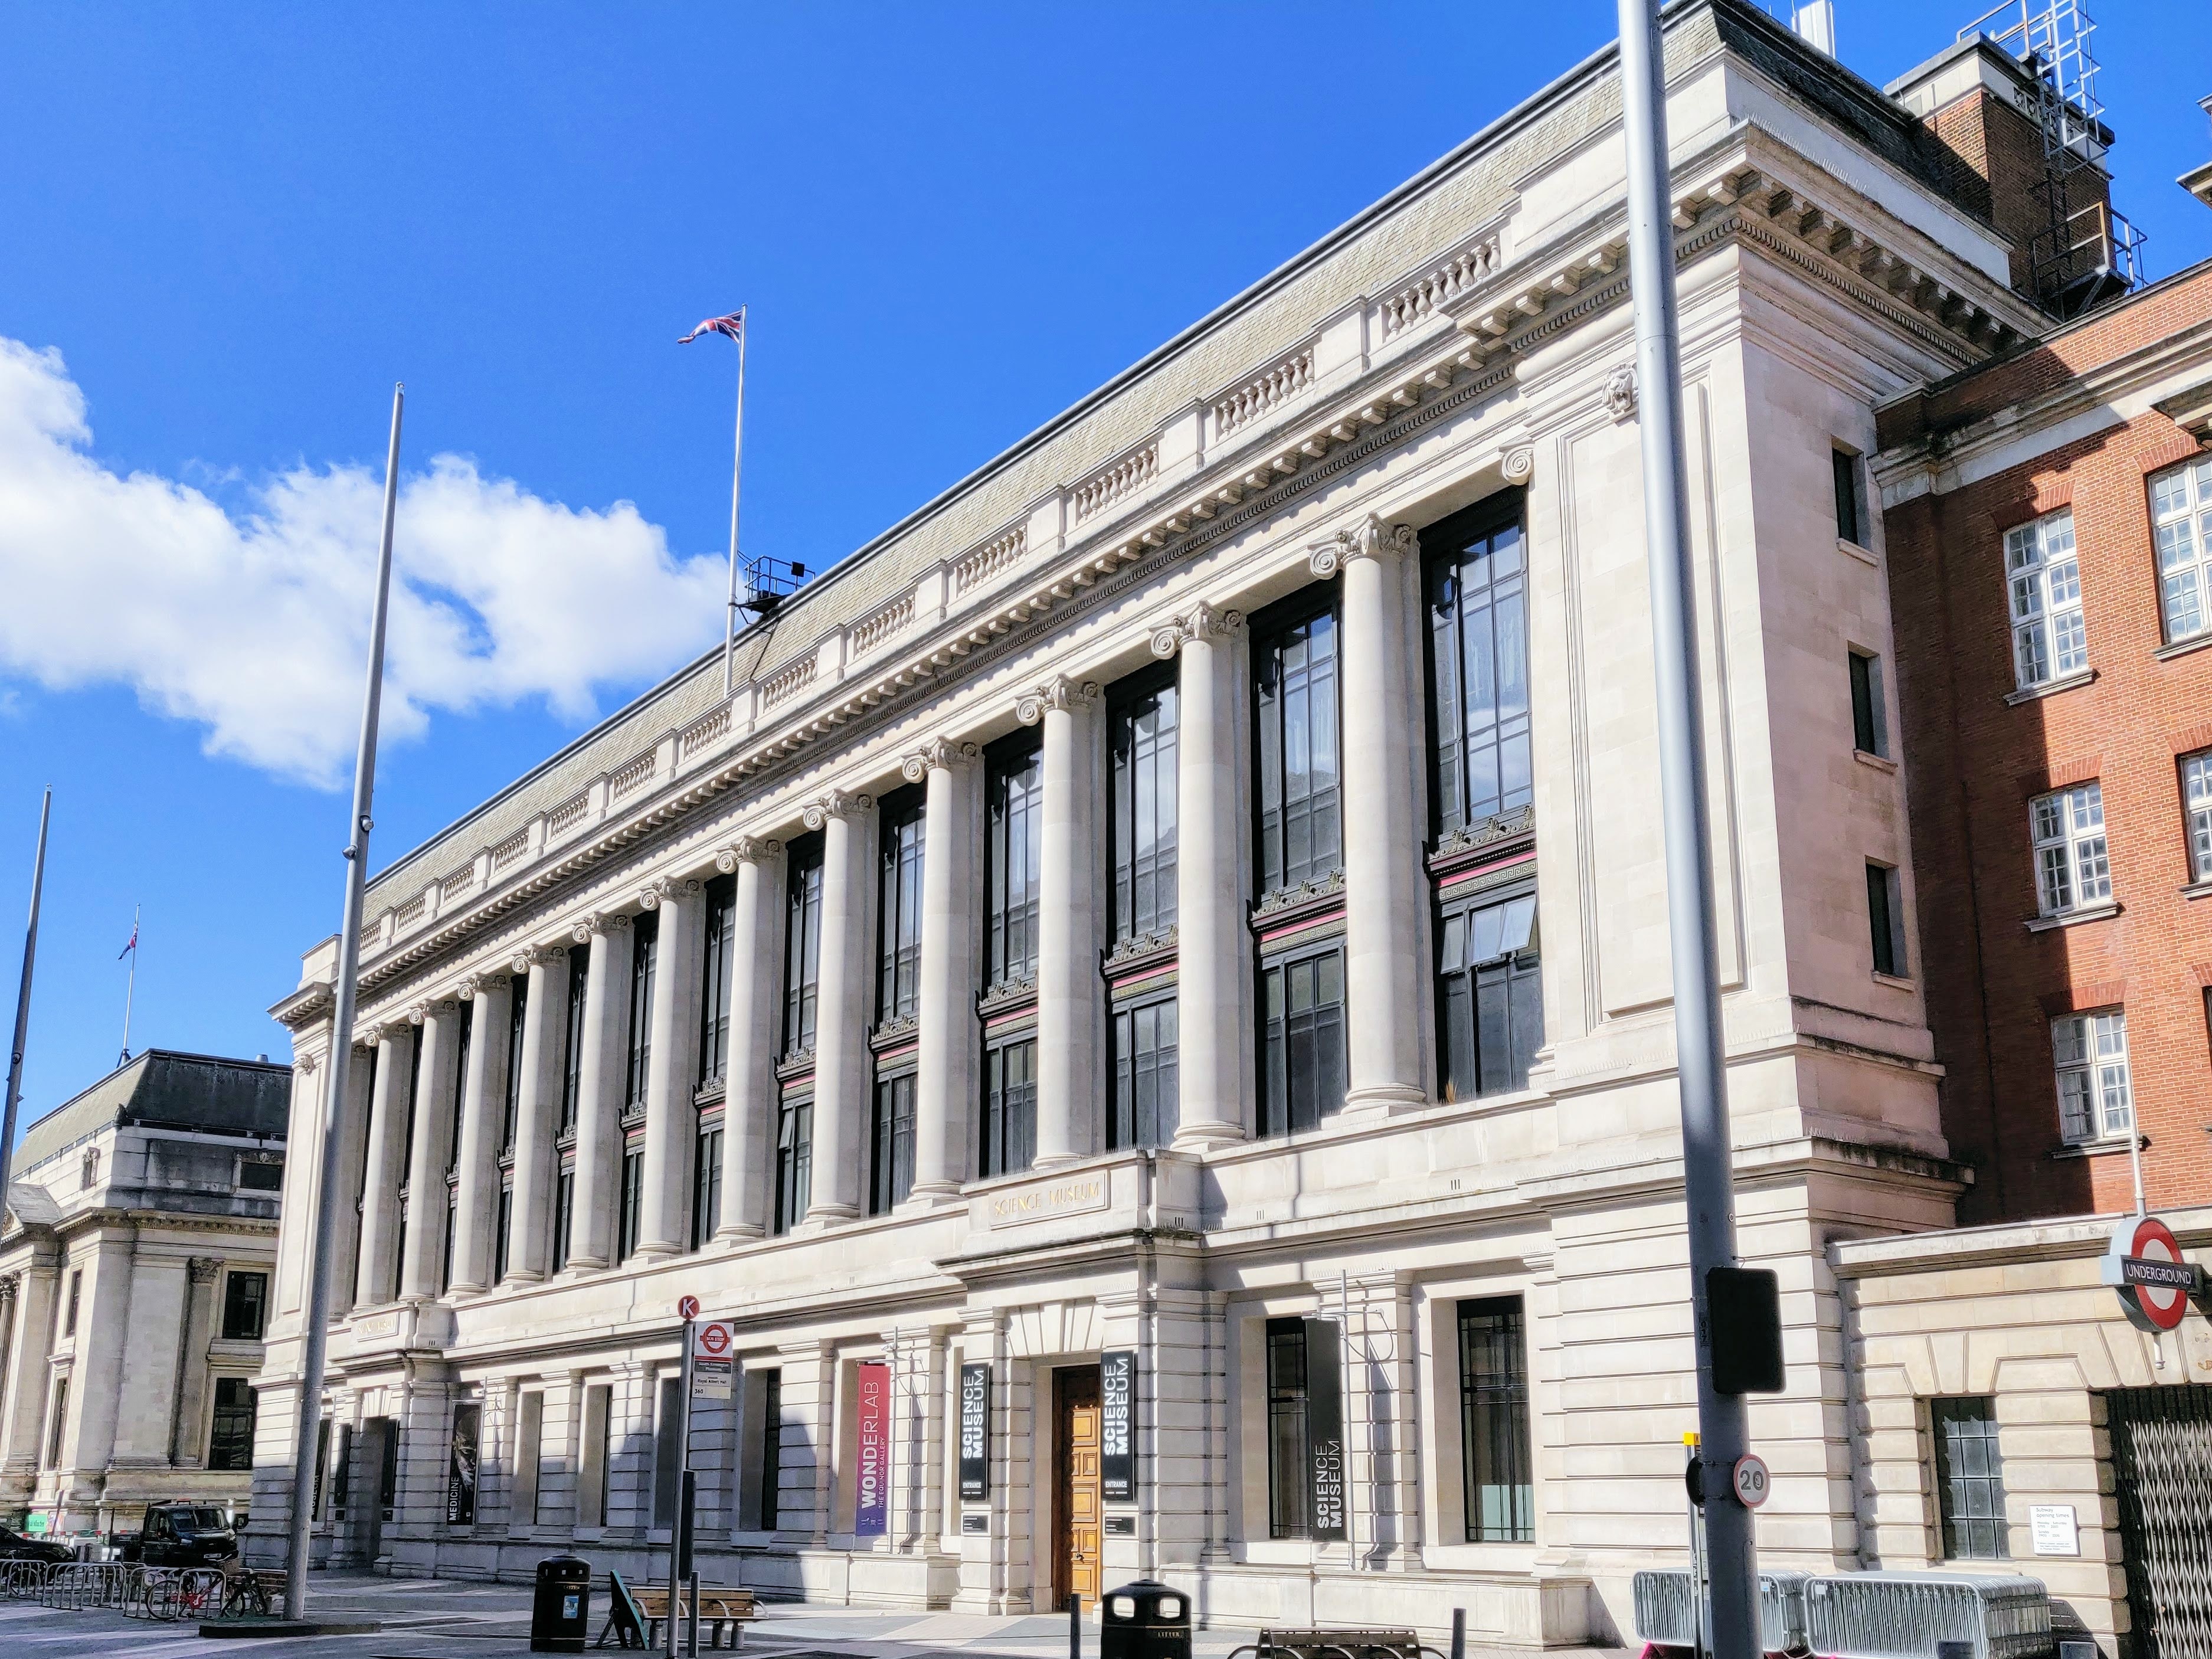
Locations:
column 134, row 1290
column 1194, row 892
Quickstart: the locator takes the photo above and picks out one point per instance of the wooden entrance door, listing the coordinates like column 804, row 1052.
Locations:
column 1077, row 1523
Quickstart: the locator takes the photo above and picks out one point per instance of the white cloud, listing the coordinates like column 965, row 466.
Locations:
column 255, row 625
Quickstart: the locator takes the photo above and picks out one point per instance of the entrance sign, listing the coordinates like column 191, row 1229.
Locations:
column 1117, row 1434
column 714, row 1371
column 1754, row 1484
column 1324, row 1430
column 2053, row 1527
column 872, row 1507
column 974, row 1430
column 687, row 1307
column 2145, row 1265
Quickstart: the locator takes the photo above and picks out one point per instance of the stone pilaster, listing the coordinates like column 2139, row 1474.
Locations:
column 1069, row 1003
column 187, row 1447
column 756, row 1007
column 671, row 1119
column 599, row 1090
column 1214, row 969
column 847, row 824
column 1384, row 906
column 297, row 1242
column 945, row 1081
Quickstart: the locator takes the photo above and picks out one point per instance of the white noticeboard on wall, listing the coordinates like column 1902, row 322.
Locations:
column 2051, row 1527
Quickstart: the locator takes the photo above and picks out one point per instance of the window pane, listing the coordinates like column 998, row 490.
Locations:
column 1479, row 666
column 1969, row 1479
column 1500, row 1491
column 1286, row 1428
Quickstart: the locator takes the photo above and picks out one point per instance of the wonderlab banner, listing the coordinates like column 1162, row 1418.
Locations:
column 871, row 1496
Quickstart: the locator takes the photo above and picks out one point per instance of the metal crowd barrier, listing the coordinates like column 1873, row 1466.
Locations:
column 77, row 1585
column 1897, row 1615
column 1666, row 1610
column 20, row 1580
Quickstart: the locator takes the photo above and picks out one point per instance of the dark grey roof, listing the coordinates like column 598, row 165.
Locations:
column 172, row 1090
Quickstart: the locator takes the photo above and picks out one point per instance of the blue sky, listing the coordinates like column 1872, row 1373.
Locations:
column 229, row 229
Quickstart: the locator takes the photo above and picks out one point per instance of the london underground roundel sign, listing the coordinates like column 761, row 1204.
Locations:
column 2145, row 1265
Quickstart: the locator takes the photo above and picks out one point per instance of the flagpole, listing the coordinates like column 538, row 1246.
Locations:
column 130, row 987
column 315, row 1337
column 23, row 1003
column 737, row 477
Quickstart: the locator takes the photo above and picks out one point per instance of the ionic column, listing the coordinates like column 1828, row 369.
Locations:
column 484, row 1111
column 1212, row 973
column 599, row 1089
column 386, row 1166
column 1069, row 1004
column 944, row 1078
column 24, row 1386
column 434, row 1082
column 756, row 1007
column 545, row 1018
column 361, row 1072
column 672, row 1070
column 1385, row 961
column 186, row 1449
column 846, row 822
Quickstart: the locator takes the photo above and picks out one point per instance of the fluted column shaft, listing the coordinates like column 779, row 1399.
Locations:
column 1212, row 973
column 1069, row 1003
column 386, row 1168
column 944, row 1076
column 848, row 977
column 756, row 1012
column 537, row 1109
column 484, row 1111
column 1384, row 962
column 600, row 1082
column 435, row 1081
column 673, row 1074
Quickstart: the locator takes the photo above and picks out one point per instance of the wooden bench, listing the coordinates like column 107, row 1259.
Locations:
column 721, row 1609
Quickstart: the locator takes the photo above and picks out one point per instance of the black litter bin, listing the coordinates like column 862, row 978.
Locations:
column 561, row 1613
column 1145, row 1620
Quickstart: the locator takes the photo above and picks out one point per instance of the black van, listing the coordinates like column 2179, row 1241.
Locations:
column 181, row 1535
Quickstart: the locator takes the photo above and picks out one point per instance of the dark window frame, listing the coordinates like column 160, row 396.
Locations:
column 1143, row 736
column 1005, row 1140
column 1283, row 1107
column 244, row 1305
column 1146, row 1097
column 891, row 1138
column 1850, row 496
column 1886, row 918
column 771, row 1455
column 644, row 968
column 630, row 1210
column 716, row 955
column 1480, row 755
column 1013, row 817
column 706, row 1183
column 518, row 1014
column 230, row 1425
column 572, row 1058
column 564, row 1215
column 902, row 848
column 1969, row 1471
column 802, row 944
column 464, row 1040
column 1494, row 1418
column 1490, row 1008
column 1869, row 707
column 503, row 1230
column 1289, row 1455
column 1283, row 856
column 795, row 1161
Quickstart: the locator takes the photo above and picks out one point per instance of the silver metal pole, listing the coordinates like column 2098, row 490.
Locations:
column 23, row 1001
column 737, row 475
column 1708, row 1177
column 683, row 1462
column 316, row 1338
column 130, row 987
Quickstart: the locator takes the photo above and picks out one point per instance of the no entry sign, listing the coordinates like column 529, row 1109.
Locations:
column 2144, row 1264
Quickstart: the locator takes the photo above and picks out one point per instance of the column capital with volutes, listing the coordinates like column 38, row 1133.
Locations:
column 599, row 921
column 938, row 754
column 655, row 892
column 748, row 849
column 1370, row 538
column 1201, row 622
column 1061, row 693
column 537, row 955
column 847, row 804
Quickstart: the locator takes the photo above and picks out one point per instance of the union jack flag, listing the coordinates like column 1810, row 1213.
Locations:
column 733, row 325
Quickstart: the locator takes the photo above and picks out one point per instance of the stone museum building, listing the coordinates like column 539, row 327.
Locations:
column 139, row 1241
column 1150, row 989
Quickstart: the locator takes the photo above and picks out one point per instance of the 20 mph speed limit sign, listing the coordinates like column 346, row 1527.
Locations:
column 1753, row 1484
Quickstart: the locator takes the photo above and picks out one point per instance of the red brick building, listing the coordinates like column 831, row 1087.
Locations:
column 2048, row 521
